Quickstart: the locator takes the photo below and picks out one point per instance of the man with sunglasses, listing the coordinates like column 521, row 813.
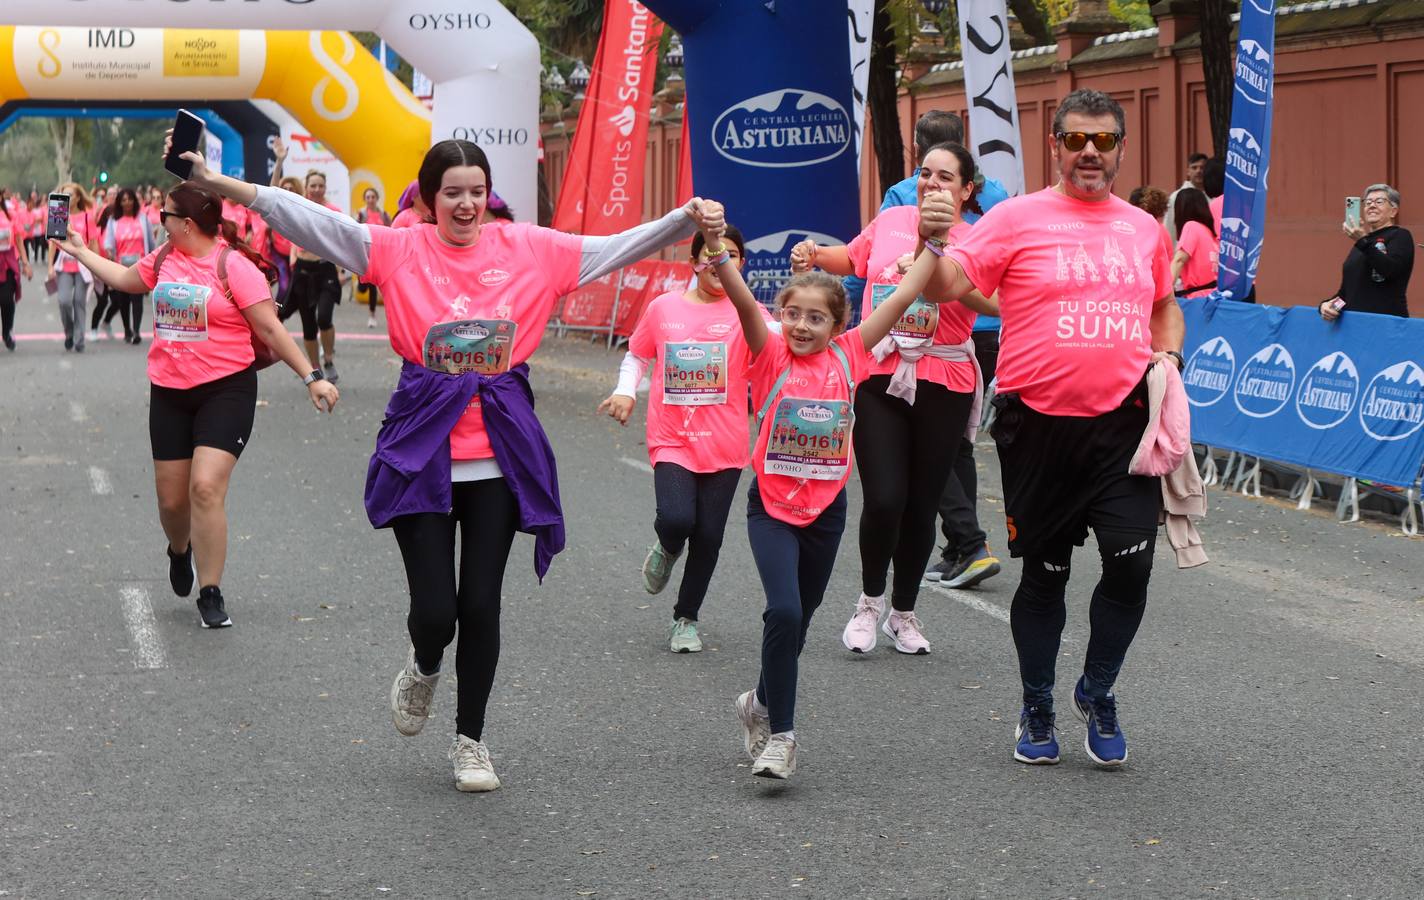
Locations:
column 1085, row 293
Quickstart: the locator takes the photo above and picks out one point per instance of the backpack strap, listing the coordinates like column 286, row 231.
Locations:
column 781, row 382
column 222, row 271
column 163, row 253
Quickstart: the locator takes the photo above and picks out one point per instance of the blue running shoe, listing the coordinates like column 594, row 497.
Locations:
column 1105, row 742
column 1037, row 743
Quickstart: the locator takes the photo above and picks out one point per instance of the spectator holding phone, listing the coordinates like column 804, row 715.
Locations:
column 1377, row 269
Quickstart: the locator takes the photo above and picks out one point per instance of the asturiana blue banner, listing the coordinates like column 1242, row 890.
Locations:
column 1285, row 385
column 1248, row 151
column 770, row 105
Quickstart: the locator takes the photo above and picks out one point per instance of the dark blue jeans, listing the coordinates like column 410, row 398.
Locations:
column 692, row 511
column 795, row 565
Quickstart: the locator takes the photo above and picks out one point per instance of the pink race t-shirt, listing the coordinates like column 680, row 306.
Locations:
column 1217, row 205
column 874, row 252
column 199, row 335
column 802, row 456
column 406, row 218
column 697, row 409
column 128, row 239
column 1077, row 281
column 82, row 224
column 1202, row 249
column 12, row 229
column 481, row 308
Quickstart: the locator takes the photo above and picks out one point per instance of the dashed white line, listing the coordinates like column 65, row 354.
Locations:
column 76, row 411
column 984, row 606
column 99, row 481
column 143, row 629
column 636, row 464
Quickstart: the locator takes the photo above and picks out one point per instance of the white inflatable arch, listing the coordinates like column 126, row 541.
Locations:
column 483, row 62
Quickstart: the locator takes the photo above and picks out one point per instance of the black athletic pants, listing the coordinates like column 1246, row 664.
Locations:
column 486, row 515
column 8, row 289
column 692, row 511
column 903, row 454
column 959, row 515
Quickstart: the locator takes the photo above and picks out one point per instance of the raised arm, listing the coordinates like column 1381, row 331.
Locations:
column 835, row 260
column 754, row 327
column 947, row 282
column 601, row 254
column 279, row 150
column 877, row 325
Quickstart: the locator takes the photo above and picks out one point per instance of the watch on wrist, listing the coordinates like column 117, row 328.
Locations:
column 314, row 377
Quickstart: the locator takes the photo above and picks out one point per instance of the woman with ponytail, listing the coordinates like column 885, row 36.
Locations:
column 210, row 299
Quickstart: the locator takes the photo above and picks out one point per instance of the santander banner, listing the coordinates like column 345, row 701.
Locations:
column 602, row 191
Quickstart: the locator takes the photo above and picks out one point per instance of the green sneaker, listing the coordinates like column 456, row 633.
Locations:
column 683, row 637
column 657, row 568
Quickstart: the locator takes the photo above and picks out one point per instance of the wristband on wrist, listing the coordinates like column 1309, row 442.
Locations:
column 313, row 377
column 720, row 258
column 707, row 252
column 935, row 247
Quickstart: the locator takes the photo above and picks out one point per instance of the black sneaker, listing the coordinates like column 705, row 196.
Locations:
column 210, row 607
column 944, row 569
column 69, row 343
column 180, row 571
column 329, row 367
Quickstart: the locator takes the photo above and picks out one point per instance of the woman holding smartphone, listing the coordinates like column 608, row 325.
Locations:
column 210, row 301
column 64, row 268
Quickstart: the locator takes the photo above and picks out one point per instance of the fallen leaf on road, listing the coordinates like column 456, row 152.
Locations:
column 1150, row 841
column 592, row 852
column 303, row 619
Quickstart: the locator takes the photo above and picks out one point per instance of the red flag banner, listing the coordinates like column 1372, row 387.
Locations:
column 684, row 163
column 602, row 191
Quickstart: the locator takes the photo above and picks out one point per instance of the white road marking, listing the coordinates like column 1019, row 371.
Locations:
column 65, row 365
column 143, row 629
column 984, row 606
column 76, row 411
column 636, row 463
column 99, row 481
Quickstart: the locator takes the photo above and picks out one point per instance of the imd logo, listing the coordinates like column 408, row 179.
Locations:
column 1266, row 382
column 781, row 129
column 1328, row 391
column 1393, row 405
column 1208, row 374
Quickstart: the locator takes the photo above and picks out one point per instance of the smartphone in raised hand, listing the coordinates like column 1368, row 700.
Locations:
column 57, row 217
column 187, row 132
column 1352, row 210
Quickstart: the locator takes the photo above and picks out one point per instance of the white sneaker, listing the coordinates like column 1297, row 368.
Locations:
column 683, row 636
column 371, row 322
column 778, row 760
column 756, row 729
column 411, row 697
column 473, row 769
column 93, row 335
column 109, row 330
column 904, row 629
column 859, row 633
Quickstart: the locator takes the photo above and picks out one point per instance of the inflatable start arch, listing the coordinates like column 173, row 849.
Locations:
column 483, row 62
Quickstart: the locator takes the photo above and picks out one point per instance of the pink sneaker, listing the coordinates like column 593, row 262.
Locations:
column 904, row 629
column 859, row 634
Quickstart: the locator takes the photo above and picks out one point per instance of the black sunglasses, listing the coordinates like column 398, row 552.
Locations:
column 163, row 215
column 1073, row 141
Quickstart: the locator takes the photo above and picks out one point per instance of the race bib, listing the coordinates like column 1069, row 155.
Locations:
column 917, row 324
column 5, row 239
column 470, row 345
column 695, row 374
column 810, row 439
column 180, row 311
column 129, row 259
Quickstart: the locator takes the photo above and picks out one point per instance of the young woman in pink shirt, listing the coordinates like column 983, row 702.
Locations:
column 697, row 429
column 316, row 289
column 371, row 212
column 14, row 262
column 1194, row 261
column 803, row 382
column 211, row 301
column 460, row 452
column 73, row 284
column 914, row 408
column 126, row 240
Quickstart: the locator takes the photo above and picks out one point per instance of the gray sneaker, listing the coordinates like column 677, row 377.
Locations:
column 412, row 695
column 778, row 760
column 657, row 568
column 756, row 730
column 683, row 636
column 474, row 771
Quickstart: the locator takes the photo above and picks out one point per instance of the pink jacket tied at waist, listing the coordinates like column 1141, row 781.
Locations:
column 1166, row 451
column 902, row 383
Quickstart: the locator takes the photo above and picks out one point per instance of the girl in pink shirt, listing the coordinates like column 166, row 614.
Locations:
column 697, row 429
column 14, row 262
column 803, row 383
column 372, row 213
column 210, row 302
column 914, row 408
column 466, row 307
column 1194, row 262
column 127, row 239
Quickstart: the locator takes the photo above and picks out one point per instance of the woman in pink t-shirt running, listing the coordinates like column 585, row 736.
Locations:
column 211, row 302
column 697, row 429
column 913, row 409
column 461, row 453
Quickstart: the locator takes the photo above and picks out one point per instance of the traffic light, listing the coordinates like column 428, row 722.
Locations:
column 103, row 177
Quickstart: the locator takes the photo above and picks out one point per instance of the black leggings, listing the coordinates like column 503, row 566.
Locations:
column 692, row 510
column 315, row 291
column 8, row 288
column 1039, row 612
column 129, row 308
column 487, row 516
column 373, row 294
column 903, row 454
column 38, row 247
column 101, row 306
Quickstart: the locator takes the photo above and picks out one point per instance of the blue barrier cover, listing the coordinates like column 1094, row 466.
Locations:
column 1284, row 384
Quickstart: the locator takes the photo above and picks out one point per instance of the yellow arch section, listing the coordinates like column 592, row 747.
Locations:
column 323, row 78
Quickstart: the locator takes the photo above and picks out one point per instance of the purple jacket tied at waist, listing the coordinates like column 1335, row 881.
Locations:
column 410, row 470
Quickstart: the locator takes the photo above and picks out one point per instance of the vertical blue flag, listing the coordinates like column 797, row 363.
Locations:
column 1248, row 151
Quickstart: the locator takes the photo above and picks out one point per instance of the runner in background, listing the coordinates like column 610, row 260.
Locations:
column 14, row 263
column 371, row 212
column 316, row 289
column 923, row 390
column 697, row 429
column 460, row 453
column 127, row 240
column 65, row 269
column 211, row 302
column 1085, row 289
column 1194, row 263
column 803, row 387
column 37, row 244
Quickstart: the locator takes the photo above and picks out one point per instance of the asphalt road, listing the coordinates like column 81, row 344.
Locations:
column 1272, row 699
